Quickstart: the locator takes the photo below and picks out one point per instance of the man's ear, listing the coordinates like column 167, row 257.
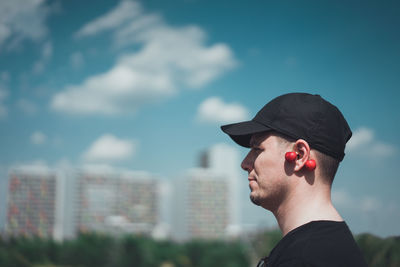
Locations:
column 302, row 149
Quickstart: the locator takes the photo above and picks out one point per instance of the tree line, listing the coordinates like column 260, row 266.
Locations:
column 94, row 249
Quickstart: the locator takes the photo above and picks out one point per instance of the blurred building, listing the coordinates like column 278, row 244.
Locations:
column 116, row 202
column 201, row 205
column 32, row 203
column 223, row 160
column 61, row 203
column 206, row 202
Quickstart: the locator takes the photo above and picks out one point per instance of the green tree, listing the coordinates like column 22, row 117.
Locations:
column 87, row 250
column 380, row 252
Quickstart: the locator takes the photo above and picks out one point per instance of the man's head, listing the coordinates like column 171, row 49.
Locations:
column 302, row 123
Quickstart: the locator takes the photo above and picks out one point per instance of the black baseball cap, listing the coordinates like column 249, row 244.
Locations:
column 299, row 116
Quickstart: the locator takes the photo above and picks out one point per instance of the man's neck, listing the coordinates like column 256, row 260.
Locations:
column 302, row 207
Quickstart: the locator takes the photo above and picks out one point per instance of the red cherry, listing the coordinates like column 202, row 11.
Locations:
column 290, row 156
column 310, row 164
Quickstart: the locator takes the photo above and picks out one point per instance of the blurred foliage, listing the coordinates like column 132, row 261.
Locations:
column 103, row 250
column 262, row 243
column 380, row 252
column 99, row 250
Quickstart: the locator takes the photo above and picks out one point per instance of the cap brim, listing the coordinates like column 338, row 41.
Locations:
column 241, row 132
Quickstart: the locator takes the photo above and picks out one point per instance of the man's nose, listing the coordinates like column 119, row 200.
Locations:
column 247, row 163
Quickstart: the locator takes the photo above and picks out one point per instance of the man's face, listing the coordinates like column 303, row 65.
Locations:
column 265, row 166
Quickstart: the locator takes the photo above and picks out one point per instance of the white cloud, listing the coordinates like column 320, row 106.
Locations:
column 214, row 110
column 364, row 142
column 122, row 89
column 125, row 11
column 341, row 198
column 360, row 138
column 169, row 59
column 366, row 204
column 47, row 52
column 369, row 204
column 77, row 60
column 22, row 19
column 110, row 148
column 38, row 138
column 137, row 29
column 27, row 106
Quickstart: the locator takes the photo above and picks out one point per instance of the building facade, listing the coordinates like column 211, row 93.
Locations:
column 201, row 205
column 116, row 202
column 206, row 204
column 61, row 204
column 32, row 203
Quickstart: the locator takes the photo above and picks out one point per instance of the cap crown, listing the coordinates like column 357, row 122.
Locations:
column 308, row 117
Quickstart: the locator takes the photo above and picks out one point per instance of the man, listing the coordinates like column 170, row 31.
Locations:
column 297, row 142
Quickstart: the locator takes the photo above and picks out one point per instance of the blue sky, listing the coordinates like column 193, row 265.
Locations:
column 145, row 85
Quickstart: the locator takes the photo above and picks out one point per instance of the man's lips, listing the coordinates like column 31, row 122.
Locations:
column 251, row 179
column 252, row 182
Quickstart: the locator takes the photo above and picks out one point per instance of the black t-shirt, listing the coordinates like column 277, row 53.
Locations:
column 317, row 243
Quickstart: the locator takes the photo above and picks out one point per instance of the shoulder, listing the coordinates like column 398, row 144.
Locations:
column 333, row 243
column 320, row 243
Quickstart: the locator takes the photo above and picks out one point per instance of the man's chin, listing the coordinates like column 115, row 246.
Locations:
column 255, row 200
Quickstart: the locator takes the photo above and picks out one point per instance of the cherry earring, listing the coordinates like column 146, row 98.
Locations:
column 290, row 156
column 310, row 164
